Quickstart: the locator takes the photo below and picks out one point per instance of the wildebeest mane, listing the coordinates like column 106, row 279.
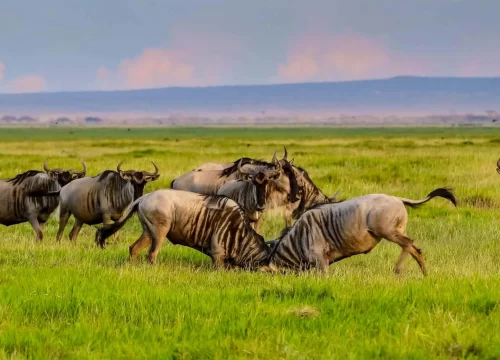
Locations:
column 19, row 178
column 244, row 161
column 104, row 175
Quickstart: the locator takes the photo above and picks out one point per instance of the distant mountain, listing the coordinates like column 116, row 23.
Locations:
column 407, row 94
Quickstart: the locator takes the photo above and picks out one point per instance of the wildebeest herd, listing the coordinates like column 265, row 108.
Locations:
column 217, row 209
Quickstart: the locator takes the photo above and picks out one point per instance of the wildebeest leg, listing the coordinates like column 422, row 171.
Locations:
column 143, row 241
column 217, row 254
column 258, row 224
column 63, row 220
column 407, row 247
column 73, row 234
column 106, row 220
column 158, row 235
column 36, row 226
column 401, row 261
column 288, row 216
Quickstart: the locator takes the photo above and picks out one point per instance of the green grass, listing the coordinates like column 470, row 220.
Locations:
column 76, row 301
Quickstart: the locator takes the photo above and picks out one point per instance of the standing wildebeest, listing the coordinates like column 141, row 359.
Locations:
column 100, row 199
column 331, row 232
column 250, row 191
column 21, row 200
column 214, row 225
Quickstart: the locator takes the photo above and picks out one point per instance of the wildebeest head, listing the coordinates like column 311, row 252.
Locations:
column 138, row 179
column 498, row 166
column 260, row 180
column 287, row 168
column 64, row 177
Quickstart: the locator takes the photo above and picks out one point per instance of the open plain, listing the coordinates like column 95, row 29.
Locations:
column 77, row 301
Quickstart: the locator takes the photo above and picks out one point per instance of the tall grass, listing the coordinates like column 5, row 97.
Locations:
column 76, row 301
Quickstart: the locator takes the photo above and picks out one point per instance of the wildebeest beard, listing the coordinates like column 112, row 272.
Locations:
column 294, row 187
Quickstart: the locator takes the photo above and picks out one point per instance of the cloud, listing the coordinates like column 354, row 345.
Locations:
column 191, row 59
column 322, row 57
column 155, row 68
column 29, row 83
column 2, row 70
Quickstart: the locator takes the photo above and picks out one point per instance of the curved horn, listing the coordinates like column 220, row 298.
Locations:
column 147, row 173
column 119, row 166
column 274, row 160
column 84, row 171
column 45, row 165
column 240, row 169
column 285, row 155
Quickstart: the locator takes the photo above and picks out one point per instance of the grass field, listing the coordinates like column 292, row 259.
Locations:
column 76, row 301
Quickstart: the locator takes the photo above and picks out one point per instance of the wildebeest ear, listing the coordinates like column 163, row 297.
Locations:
column 53, row 175
column 152, row 178
column 125, row 176
column 78, row 176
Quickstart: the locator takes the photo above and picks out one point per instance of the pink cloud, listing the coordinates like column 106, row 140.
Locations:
column 323, row 57
column 2, row 69
column 155, row 68
column 192, row 59
column 29, row 83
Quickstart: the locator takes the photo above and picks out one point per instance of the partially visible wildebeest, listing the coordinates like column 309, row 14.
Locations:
column 214, row 225
column 22, row 198
column 208, row 178
column 250, row 191
column 102, row 198
column 498, row 166
column 327, row 233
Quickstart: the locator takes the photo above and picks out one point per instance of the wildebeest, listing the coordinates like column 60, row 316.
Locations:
column 102, row 198
column 21, row 198
column 214, row 225
column 327, row 233
column 250, row 192
column 310, row 194
column 498, row 166
column 209, row 178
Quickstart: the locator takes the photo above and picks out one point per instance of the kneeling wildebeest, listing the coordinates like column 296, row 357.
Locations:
column 214, row 225
column 251, row 192
column 23, row 198
column 327, row 233
column 101, row 199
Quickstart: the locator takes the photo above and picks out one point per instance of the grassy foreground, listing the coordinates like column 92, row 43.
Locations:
column 76, row 301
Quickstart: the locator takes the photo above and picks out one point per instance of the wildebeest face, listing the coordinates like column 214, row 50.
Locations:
column 260, row 182
column 64, row 177
column 138, row 179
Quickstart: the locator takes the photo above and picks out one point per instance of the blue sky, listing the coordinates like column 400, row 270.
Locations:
column 57, row 45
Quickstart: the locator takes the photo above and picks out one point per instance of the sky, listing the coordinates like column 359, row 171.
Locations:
column 73, row 45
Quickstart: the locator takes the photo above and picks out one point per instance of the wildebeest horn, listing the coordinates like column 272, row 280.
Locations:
column 498, row 166
column 274, row 160
column 119, row 166
column 285, row 155
column 83, row 172
column 147, row 173
column 240, row 169
column 45, row 165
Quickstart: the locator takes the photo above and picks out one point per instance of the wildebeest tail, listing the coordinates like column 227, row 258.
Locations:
column 41, row 193
column 445, row 193
column 172, row 184
column 107, row 230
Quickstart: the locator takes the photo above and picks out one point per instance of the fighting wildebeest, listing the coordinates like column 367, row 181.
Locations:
column 22, row 197
column 102, row 198
column 214, row 225
column 208, row 179
column 327, row 233
column 251, row 191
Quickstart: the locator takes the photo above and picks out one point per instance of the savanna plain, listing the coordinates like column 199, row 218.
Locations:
column 66, row 300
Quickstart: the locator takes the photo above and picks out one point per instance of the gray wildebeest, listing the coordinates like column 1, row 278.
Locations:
column 331, row 232
column 209, row 178
column 102, row 198
column 22, row 197
column 251, row 191
column 214, row 225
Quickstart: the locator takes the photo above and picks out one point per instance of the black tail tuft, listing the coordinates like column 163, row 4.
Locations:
column 172, row 184
column 445, row 193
